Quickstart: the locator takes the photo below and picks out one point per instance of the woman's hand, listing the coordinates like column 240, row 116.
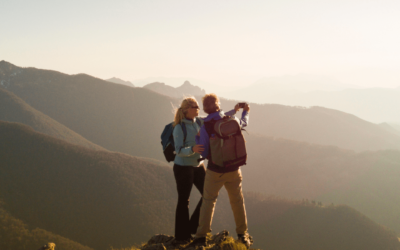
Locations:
column 198, row 149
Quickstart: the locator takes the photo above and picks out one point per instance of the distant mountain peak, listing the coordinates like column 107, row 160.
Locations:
column 156, row 84
column 184, row 90
column 187, row 83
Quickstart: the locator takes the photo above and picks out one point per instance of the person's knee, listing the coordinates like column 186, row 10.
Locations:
column 235, row 199
column 208, row 200
column 210, row 195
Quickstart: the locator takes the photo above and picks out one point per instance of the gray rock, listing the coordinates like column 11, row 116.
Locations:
column 160, row 238
column 158, row 246
column 219, row 237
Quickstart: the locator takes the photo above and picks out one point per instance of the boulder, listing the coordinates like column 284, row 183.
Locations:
column 158, row 246
column 160, row 238
column 48, row 246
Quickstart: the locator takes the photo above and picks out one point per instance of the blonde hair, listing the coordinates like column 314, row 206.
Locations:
column 183, row 109
column 210, row 103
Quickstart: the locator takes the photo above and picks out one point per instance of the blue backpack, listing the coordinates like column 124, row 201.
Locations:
column 167, row 139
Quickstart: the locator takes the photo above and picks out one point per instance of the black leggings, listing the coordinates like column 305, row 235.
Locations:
column 185, row 177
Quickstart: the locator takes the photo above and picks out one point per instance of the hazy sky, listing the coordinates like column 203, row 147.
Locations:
column 223, row 42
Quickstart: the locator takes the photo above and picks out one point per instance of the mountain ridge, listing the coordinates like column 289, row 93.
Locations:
column 120, row 81
column 109, row 122
column 186, row 89
column 14, row 109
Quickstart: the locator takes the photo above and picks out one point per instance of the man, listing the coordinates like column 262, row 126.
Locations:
column 217, row 176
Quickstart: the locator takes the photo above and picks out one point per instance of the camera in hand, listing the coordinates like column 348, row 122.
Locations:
column 242, row 104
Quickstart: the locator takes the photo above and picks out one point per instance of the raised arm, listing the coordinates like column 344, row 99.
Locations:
column 244, row 121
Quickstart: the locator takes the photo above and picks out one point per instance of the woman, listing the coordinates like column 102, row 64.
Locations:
column 187, row 170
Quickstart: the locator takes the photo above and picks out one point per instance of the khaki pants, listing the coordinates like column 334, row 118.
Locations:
column 212, row 184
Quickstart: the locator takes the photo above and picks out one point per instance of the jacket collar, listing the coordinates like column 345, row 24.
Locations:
column 215, row 116
column 188, row 121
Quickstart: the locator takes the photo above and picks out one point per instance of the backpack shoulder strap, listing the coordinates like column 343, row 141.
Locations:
column 198, row 121
column 183, row 125
column 209, row 126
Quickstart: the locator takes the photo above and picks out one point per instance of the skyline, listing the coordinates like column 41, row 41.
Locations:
column 222, row 43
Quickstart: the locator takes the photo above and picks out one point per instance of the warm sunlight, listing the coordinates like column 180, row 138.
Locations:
column 200, row 125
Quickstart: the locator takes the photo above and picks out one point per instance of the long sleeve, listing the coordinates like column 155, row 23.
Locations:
column 244, row 121
column 203, row 139
column 180, row 148
column 231, row 112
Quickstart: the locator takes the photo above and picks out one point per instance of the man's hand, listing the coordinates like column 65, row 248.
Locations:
column 247, row 107
column 198, row 149
column 237, row 108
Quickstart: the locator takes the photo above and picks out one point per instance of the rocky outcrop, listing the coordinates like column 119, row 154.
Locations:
column 219, row 241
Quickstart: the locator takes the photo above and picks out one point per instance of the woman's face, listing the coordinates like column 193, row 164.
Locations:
column 193, row 111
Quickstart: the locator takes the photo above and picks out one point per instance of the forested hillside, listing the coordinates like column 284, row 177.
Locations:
column 99, row 198
column 16, row 235
column 93, row 197
column 306, row 225
column 376, row 191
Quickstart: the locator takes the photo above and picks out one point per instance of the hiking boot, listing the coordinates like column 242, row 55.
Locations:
column 197, row 242
column 246, row 239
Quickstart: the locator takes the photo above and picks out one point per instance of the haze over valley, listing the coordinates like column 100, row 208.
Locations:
column 376, row 104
